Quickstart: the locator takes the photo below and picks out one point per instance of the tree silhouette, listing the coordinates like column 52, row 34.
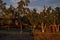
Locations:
column 21, row 10
column 2, row 11
column 57, row 13
column 15, row 16
column 2, row 7
column 11, row 14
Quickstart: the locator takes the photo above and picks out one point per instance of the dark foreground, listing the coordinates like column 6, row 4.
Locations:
column 28, row 36
column 16, row 36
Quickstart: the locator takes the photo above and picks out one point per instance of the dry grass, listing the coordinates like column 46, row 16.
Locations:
column 46, row 36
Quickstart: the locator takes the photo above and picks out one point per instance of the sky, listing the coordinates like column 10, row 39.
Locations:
column 38, row 4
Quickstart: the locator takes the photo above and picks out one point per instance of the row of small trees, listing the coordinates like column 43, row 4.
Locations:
column 48, row 16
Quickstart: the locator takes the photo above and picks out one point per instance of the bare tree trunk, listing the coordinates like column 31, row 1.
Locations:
column 42, row 26
column 54, row 27
column 21, row 27
column 45, row 28
column 34, row 27
column 57, row 28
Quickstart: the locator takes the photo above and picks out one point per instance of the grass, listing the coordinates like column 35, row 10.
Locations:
column 46, row 35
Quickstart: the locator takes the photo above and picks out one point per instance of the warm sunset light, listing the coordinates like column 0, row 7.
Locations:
column 30, row 19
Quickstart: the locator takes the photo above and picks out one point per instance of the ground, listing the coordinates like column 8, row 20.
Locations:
column 46, row 36
column 36, row 35
column 16, row 36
